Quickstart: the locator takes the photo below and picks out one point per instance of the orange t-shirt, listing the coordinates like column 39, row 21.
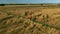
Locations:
column 30, row 16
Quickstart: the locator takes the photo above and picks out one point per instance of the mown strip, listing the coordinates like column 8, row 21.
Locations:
column 8, row 17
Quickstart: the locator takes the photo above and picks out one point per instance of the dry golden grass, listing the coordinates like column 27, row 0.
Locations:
column 13, row 20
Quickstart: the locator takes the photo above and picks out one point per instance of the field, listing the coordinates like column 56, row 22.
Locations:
column 14, row 21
